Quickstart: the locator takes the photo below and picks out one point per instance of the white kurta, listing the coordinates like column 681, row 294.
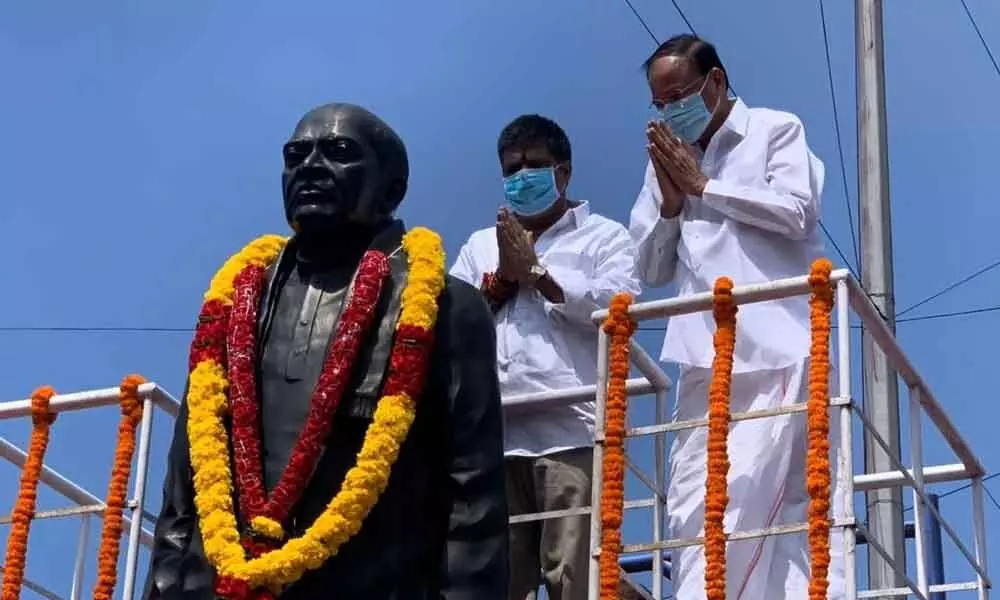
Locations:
column 543, row 346
column 757, row 221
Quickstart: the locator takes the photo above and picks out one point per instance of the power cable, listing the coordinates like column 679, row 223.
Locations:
column 962, row 488
column 950, row 287
column 982, row 40
column 642, row 21
column 680, row 11
column 840, row 252
column 836, row 127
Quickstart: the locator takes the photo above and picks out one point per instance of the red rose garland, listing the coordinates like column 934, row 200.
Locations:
column 354, row 324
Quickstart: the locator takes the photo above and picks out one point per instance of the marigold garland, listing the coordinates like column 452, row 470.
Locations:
column 266, row 511
column 620, row 327
column 111, row 531
column 208, row 406
column 27, row 495
column 716, row 485
column 818, row 427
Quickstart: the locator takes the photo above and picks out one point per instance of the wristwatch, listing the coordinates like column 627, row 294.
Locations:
column 535, row 273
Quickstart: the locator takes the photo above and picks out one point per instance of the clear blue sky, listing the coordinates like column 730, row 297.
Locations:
column 141, row 145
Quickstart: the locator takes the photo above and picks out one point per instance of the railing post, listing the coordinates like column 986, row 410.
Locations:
column 980, row 533
column 597, row 477
column 659, row 448
column 933, row 549
column 142, row 467
column 917, row 464
column 846, row 437
column 80, row 563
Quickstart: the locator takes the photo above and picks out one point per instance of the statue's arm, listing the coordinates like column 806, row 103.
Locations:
column 476, row 557
column 176, row 554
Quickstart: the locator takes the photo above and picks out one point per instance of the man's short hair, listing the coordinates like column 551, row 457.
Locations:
column 531, row 130
column 701, row 53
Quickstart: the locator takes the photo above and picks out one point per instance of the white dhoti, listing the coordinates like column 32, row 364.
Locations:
column 766, row 488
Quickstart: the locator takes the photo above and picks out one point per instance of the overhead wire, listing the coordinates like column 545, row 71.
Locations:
column 951, row 287
column 961, row 488
column 836, row 128
column 995, row 264
column 642, row 21
column 982, row 40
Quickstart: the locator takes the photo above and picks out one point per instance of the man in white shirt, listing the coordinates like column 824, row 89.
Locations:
column 735, row 191
column 544, row 268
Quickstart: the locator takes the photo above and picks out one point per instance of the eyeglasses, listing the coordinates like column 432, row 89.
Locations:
column 679, row 95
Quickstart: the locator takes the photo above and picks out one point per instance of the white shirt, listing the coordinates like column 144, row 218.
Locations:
column 543, row 346
column 757, row 221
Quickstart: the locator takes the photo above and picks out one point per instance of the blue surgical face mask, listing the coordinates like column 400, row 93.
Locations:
column 688, row 118
column 531, row 192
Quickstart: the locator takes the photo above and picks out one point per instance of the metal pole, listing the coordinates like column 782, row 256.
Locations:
column 81, row 559
column 659, row 508
column 919, row 516
column 979, row 522
column 935, row 553
column 846, row 470
column 881, row 392
column 597, row 476
column 142, row 467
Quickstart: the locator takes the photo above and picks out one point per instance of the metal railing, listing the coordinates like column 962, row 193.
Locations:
column 921, row 401
column 653, row 381
column 86, row 504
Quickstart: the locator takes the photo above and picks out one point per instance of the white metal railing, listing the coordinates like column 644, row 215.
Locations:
column 653, row 381
column 921, row 401
column 86, row 504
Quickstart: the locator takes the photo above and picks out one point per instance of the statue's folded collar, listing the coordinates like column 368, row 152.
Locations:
column 375, row 352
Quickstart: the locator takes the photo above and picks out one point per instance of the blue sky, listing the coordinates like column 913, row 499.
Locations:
column 141, row 145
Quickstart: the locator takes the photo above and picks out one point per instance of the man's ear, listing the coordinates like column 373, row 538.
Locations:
column 563, row 173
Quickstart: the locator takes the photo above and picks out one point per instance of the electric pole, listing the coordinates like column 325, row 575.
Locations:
column 884, row 507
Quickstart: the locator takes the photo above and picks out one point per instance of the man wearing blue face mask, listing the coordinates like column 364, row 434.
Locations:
column 735, row 191
column 546, row 265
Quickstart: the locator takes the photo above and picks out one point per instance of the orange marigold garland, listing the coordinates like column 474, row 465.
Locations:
column 818, row 428
column 716, row 486
column 620, row 327
column 111, row 532
column 27, row 495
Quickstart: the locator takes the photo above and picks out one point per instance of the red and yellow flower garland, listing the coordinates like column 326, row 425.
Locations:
column 111, row 531
column 208, row 405
column 266, row 512
column 818, row 428
column 620, row 327
column 716, row 486
column 27, row 495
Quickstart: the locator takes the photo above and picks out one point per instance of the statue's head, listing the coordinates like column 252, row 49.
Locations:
column 343, row 166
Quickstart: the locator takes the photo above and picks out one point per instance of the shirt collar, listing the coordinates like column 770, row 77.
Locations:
column 573, row 217
column 738, row 120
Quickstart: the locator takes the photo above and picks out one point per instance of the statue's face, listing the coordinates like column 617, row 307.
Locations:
column 343, row 166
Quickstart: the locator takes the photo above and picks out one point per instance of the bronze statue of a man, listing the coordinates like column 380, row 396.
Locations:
column 340, row 435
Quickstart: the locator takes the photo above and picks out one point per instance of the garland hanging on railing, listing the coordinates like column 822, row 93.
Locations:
column 818, row 428
column 716, row 485
column 620, row 327
column 27, row 495
column 111, row 531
